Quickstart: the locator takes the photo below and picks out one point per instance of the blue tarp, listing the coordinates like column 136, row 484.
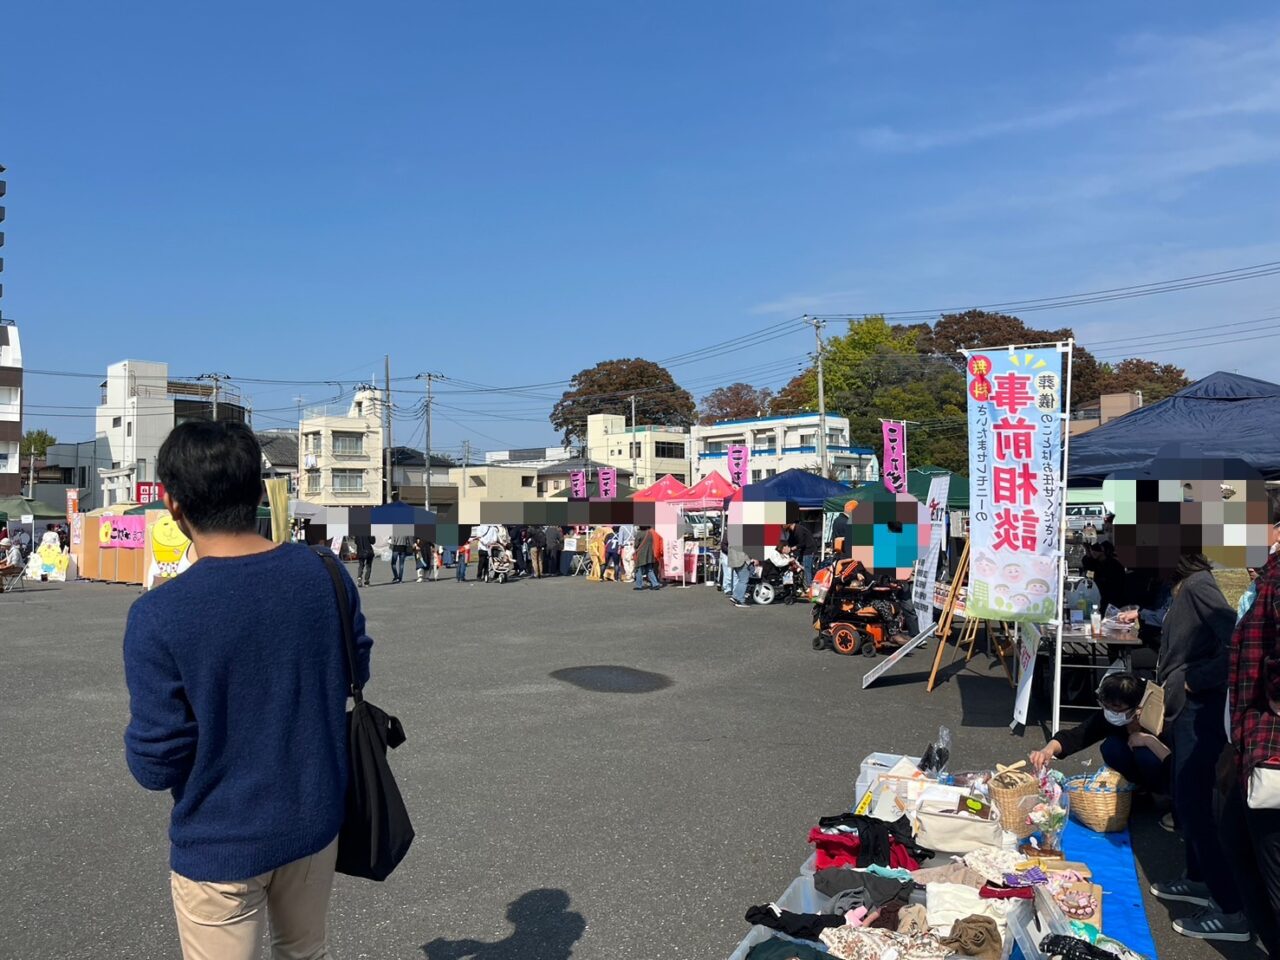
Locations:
column 806, row 490
column 1224, row 415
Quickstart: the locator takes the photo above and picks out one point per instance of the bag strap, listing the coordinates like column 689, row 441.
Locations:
column 344, row 615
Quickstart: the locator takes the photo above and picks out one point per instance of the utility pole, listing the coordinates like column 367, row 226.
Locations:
column 426, row 414
column 635, row 480
column 387, row 455
column 466, row 457
column 822, row 397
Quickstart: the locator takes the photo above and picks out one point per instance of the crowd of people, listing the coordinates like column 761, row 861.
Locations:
column 1216, row 755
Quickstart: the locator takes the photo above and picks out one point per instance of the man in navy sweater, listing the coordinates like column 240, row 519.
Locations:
column 238, row 686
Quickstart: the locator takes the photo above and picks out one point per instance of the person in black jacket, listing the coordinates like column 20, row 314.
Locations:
column 555, row 546
column 364, row 559
column 1137, row 756
column 1101, row 565
column 804, row 547
column 537, row 547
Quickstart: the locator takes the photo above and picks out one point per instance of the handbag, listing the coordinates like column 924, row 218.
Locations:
column 1264, row 788
column 1151, row 709
column 949, row 832
column 376, row 831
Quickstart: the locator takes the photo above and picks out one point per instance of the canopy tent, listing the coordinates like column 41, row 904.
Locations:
column 400, row 519
column 593, row 491
column 1224, row 415
column 664, row 491
column 15, row 507
column 709, row 493
column 918, row 480
column 264, row 513
column 806, row 490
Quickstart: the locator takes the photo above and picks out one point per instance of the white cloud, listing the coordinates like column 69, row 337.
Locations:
column 796, row 304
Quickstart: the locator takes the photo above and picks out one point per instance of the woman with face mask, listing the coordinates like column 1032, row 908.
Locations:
column 1136, row 756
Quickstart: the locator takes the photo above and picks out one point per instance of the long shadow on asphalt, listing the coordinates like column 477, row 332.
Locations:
column 545, row 929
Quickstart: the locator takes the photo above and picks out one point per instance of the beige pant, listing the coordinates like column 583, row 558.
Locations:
column 225, row 921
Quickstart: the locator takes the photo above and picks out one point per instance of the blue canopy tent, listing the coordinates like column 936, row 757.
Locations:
column 808, row 491
column 1224, row 415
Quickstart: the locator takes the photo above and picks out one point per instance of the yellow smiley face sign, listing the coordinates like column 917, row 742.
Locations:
column 104, row 531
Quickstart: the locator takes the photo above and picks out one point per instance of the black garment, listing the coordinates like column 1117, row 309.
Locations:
column 1198, row 739
column 802, row 542
column 1251, row 839
column 1094, row 730
column 364, row 569
column 840, row 530
column 855, row 888
column 364, row 546
column 806, row 926
column 1195, row 642
column 779, row 949
column 1109, row 575
column 874, row 835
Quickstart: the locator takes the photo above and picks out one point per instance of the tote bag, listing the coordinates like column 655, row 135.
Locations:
column 376, row 831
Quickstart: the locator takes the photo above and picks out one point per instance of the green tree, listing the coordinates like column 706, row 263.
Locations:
column 845, row 358
column 608, row 387
column 738, row 401
column 36, row 443
column 1154, row 381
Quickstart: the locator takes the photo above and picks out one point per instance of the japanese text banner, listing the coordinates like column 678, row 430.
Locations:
column 895, row 456
column 1015, row 473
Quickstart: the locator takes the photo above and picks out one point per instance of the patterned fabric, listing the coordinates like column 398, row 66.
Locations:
column 992, row 862
column 1255, row 674
column 866, row 943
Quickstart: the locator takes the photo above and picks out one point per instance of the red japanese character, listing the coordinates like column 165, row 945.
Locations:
column 1013, row 438
column 1015, row 484
column 1007, row 531
column 1012, row 392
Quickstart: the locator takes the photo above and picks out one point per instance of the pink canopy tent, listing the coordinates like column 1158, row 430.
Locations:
column 709, row 493
column 665, row 490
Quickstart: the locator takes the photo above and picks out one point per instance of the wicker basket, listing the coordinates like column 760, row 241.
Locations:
column 1101, row 801
column 1009, row 786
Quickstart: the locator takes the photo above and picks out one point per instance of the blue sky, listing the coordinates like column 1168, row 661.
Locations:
column 509, row 192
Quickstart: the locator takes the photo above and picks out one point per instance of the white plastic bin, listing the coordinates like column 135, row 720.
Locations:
column 799, row 897
column 874, row 764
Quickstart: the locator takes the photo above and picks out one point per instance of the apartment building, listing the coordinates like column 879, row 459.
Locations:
column 10, row 409
column 340, row 453
column 648, row 452
column 140, row 404
column 783, row 443
column 1108, row 407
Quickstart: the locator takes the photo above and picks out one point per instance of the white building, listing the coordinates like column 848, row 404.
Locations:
column 341, row 456
column 140, row 405
column 649, row 452
column 783, row 443
column 10, row 409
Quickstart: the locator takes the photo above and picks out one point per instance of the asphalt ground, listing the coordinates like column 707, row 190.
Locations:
column 606, row 825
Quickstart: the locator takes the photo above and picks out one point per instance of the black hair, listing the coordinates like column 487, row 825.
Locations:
column 1190, row 563
column 214, row 472
column 1273, row 505
column 1108, row 549
column 1121, row 689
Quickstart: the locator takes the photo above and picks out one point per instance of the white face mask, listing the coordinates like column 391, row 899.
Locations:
column 1116, row 719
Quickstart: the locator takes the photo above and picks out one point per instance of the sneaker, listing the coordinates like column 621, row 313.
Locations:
column 1166, row 822
column 1182, row 890
column 1212, row 924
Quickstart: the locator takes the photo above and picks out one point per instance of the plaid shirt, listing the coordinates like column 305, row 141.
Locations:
column 1255, row 674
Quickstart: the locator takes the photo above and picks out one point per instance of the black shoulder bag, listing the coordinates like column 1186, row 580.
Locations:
column 376, row 831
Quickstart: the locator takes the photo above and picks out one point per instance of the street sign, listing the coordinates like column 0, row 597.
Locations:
column 73, row 504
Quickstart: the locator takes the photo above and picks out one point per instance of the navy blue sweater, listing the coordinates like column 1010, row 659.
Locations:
column 237, row 695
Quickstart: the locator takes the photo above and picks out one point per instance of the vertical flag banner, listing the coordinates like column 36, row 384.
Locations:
column 923, row 587
column 73, row 503
column 895, row 456
column 739, row 461
column 608, row 483
column 1015, row 471
column 578, row 484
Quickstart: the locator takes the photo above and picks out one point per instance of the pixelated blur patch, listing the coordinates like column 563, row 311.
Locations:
column 1183, row 503
column 888, row 531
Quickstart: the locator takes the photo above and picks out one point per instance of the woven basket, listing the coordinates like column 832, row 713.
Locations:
column 1008, row 787
column 1101, row 801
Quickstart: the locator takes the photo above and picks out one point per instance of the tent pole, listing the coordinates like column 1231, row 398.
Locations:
column 1062, row 537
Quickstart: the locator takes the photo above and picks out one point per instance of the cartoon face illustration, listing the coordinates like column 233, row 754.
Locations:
column 1002, row 590
column 1037, row 590
column 168, row 543
column 1019, row 601
column 1013, row 572
column 1044, row 566
column 984, row 566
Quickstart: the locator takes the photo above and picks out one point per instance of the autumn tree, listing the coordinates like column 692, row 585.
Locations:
column 800, row 395
column 608, row 387
column 738, row 401
column 1154, row 381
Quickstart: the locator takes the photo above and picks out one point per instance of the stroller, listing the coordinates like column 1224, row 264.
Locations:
column 852, row 611
column 502, row 565
column 770, row 583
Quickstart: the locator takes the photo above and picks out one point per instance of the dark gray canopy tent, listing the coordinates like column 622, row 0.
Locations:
column 1223, row 415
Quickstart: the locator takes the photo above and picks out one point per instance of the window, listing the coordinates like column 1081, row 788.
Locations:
column 348, row 481
column 668, row 450
column 526, row 481
column 635, row 451
column 128, row 429
column 348, row 444
column 313, row 481
column 115, row 422
column 679, row 476
column 771, row 473
column 312, row 443
column 142, row 470
column 755, row 475
column 477, row 481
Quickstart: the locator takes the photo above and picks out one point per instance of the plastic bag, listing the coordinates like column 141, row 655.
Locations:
column 936, row 756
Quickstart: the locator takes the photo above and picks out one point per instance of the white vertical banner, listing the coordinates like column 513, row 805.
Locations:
column 927, row 571
column 1029, row 643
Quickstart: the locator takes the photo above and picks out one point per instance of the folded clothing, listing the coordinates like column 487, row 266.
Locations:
column 975, row 937
column 871, row 889
column 842, row 849
column 804, row 926
column 1057, row 947
column 779, row 949
column 866, row 943
column 949, row 902
column 949, row 873
column 992, row 862
column 992, row 892
column 876, row 835
column 913, row 919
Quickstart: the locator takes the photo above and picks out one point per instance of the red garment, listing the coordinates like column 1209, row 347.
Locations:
column 988, row 892
column 841, row 850
column 1254, row 680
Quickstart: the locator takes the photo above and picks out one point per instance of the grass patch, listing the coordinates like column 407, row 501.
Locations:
column 1233, row 583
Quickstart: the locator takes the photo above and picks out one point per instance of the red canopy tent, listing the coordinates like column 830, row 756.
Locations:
column 665, row 490
column 709, row 493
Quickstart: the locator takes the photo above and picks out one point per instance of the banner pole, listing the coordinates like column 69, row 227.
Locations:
column 1062, row 540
